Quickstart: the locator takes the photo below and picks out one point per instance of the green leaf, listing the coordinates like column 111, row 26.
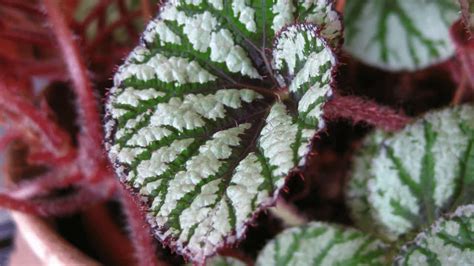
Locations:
column 399, row 34
column 418, row 173
column 357, row 188
column 206, row 125
column 450, row 241
column 322, row 244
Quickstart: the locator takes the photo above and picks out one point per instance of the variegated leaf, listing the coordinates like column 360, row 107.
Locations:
column 357, row 187
column 322, row 244
column 206, row 125
column 449, row 241
column 420, row 172
column 400, row 34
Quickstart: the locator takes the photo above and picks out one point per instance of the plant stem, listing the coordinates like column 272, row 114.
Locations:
column 340, row 4
column 90, row 137
column 361, row 110
column 24, row 36
column 140, row 231
column 53, row 137
column 106, row 237
column 11, row 203
column 146, row 10
column 22, row 6
column 460, row 90
column 466, row 9
column 85, row 196
column 44, row 184
column 464, row 45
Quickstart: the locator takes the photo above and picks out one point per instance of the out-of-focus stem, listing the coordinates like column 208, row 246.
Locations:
column 140, row 231
column 53, row 137
column 90, row 137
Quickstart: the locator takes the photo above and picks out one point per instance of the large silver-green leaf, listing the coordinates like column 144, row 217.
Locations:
column 357, row 188
column 206, row 124
column 420, row 172
column 400, row 34
column 322, row 244
column 449, row 242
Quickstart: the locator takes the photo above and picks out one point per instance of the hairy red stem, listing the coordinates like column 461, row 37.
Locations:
column 361, row 110
column 84, row 197
column 23, row 6
column 43, row 184
column 90, row 137
column 466, row 14
column 106, row 237
column 146, row 10
column 23, row 36
column 80, row 200
column 54, row 138
column 8, row 137
column 140, row 231
column 340, row 4
column 11, row 203
column 465, row 51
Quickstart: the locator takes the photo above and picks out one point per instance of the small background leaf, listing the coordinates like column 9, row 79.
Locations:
column 399, row 34
column 449, row 241
column 322, row 244
column 420, row 172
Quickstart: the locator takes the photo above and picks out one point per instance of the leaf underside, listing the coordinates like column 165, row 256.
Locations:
column 399, row 34
column 449, row 241
column 205, row 123
column 322, row 244
column 420, row 172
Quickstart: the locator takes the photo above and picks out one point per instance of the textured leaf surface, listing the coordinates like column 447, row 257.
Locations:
column 206, row 124
column 357, row 188
column 421, row 171
column 400, row 34
column 448, row 242
column 322, row 244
